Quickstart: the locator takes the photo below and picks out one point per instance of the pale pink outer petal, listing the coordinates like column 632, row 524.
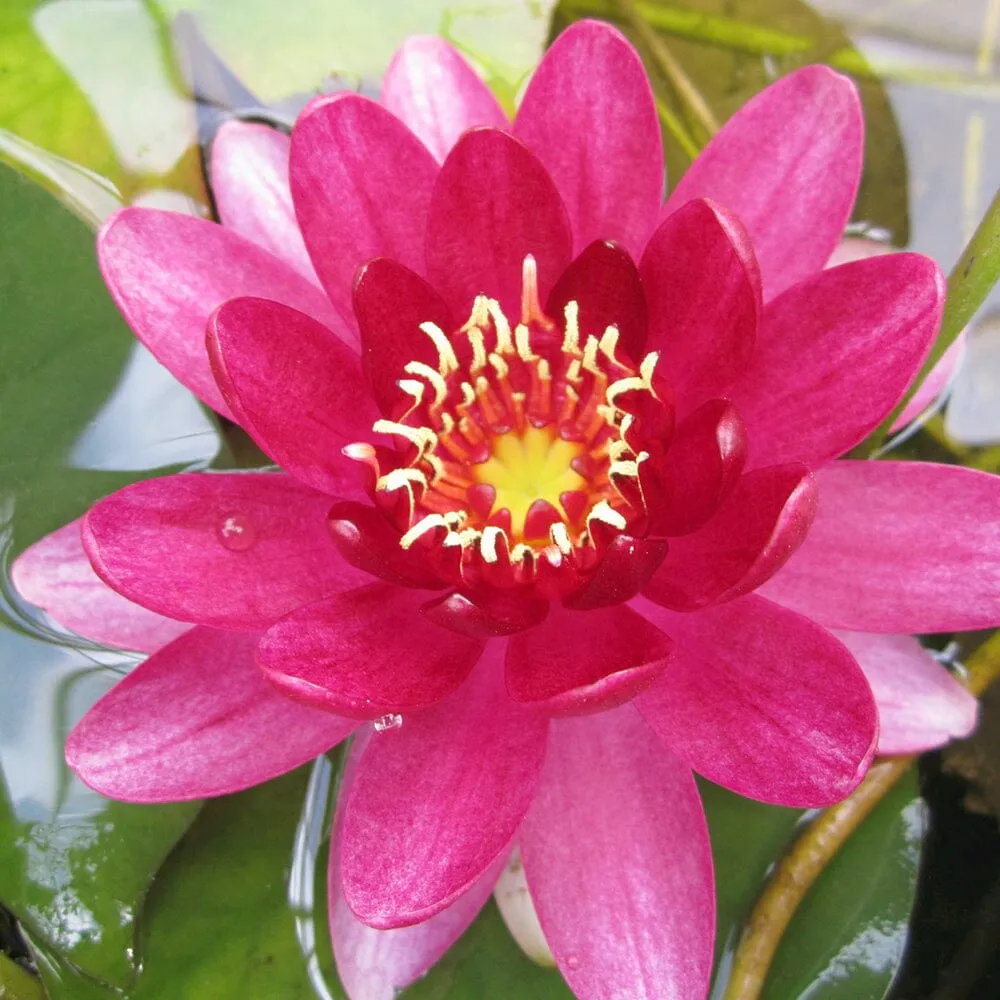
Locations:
column 590, row 117
column 373, row 964
column 834, row 354
column 619, row 864
column 764, row 702
column 168, row 272
column 920, row 704
column 249, row 172
column 856, row 248
column 437, row 94
column 55, row 574
column 196, row 719
column 361, row 183
column 787, row 165
column 898, row 547
column 436, row 801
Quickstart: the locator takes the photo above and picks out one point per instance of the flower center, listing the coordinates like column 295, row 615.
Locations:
column 518, row 452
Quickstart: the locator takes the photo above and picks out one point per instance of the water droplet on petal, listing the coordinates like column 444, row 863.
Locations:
column 391, row 721
column 572, row 961
column 236, row 532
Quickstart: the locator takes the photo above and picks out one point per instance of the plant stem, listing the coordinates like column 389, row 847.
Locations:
column 797, row 872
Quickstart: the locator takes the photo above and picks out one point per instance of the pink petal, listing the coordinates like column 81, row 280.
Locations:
column 361, row 183
column 55, row 574
column 625, row 568
column 589, row 116
column 366, row 653
column 373, row 964
column 920, row 704
column 753, row 533
column 295, row 387
column 391, row 303
column 167, row 273
column 583, row 661
column 493, row 204
column 196, row 719
column 234, row 551
column 249, row 173
column 703, row 287
column 764, row 702
column 604, row 282
column 787, row 165
column 835, row 353
column 437, row 94
column 436, row 801
column 618, row 861
column 934, row 384
column 898, row 547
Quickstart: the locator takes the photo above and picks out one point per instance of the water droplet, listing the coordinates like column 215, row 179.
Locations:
column 572, row 961
column 390, row 721
column 236, row 532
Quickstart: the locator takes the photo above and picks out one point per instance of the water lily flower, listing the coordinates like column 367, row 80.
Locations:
column 560, row 520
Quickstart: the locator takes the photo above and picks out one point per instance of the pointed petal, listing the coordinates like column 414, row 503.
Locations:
column 493, row 204
column 764, row 702
column 295, row 387
column 366, row 653
column 437, row 800
column 787, row 165
column 168, row 272
column 835, row 353
column 704, row 463
column 374, row 964
column 55, row 574
column 753, row 533
column 898, row 547
column 437, row 94
column 604, row 282
column 581, row 662
column 920, row 704
column 703, row 288
column 361, row 182
column 234, row 551
column 618, row 861
column 589, row 116
column 391, row 303
column 249, row 172
column 196, row 719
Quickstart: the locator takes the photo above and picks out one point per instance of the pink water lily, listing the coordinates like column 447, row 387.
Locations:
column 559, row 522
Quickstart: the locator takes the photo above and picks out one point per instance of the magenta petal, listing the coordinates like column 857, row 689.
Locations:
column 604, row 282
column 438, row 95
column 366, row 653
column 898, row 547
column 618, row 861
column 625, row 568
column 168, row 272
column 787, row 165
column 764, row 702
column 234, row 551
column 920, row 704
column 493, row 204
column 361, row 182
column 196, row 719
column 55, row 574
column 706, row 457
column 835, row 353
column 436, row 801
column 589, row 116
column 373, row 964
column 577, row 662
column 249, row 170
column 703, row 288
column 753, row 533
column 392, row 303
column 295, row 387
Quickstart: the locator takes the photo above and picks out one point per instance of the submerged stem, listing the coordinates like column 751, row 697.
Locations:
column 797, row 872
